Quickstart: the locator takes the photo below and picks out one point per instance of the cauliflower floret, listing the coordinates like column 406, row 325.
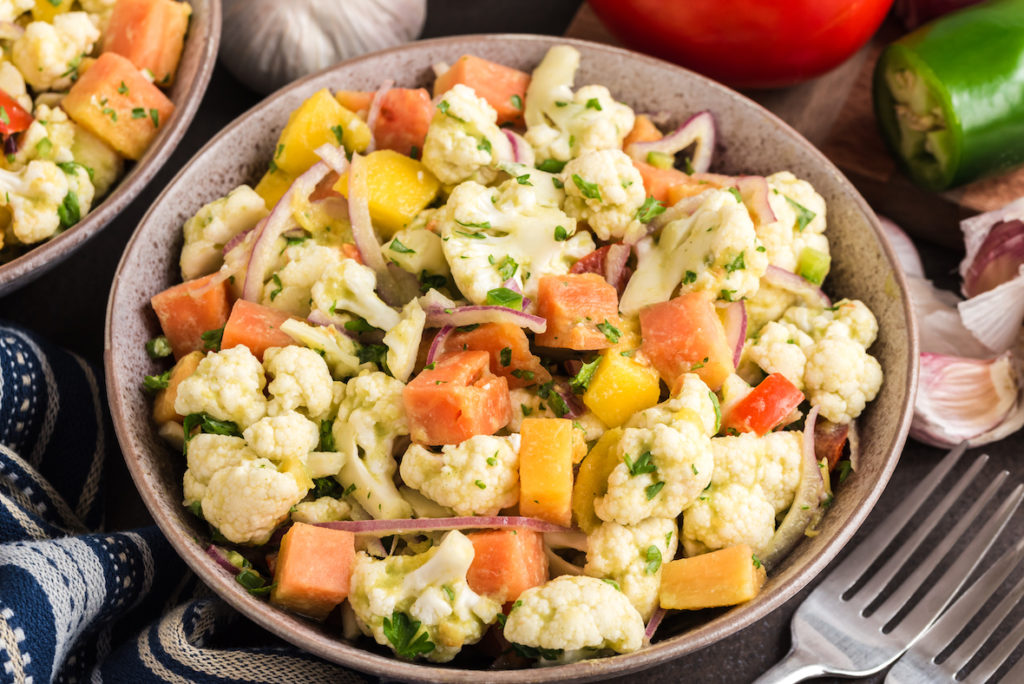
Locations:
column 632, row 556
column 206, row 454
column 849, row 318
column 50, row 136
column 12, row 9
column 324, row 509
column 429, row 588
column 732, row 514
column 418, row 251
column 214, row 225
column 662, row 471
column 491, row 235
column 370, row 417
column 246, row 502
column 841, row 378
column 714, row 249
column 527, row 403
column 47, row 54
column 772, row 462
column 562, row 125
column 692, row 402
column 282, row 438
column 603, row 188
column 403, row 341
column 338, row 349
column 767, row 304
column 12, row 82
column 576, row 615
column 463, row 140
column 300, row 379
column 324, row 463
column 35, row 196
column 349, row 286
column 290, row 288
column 480, row 476
column 227, row 385
column 800, row 221
column 779, row 348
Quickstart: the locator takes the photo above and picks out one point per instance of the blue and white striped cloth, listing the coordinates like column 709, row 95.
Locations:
column 79, row 604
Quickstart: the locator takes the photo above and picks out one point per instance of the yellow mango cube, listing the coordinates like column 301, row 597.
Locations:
column 621, row 387
column 272, row 186
column 46, row 10
column 317, row 121
column 720, row 578
column 545, row 469
column 592, row 479
column 399, row 187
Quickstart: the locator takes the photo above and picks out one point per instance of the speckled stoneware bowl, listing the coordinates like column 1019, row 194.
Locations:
column 197, row 62
column 752, row 141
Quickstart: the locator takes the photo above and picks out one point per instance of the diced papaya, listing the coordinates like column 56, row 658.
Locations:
column 506, row 563
column 313, row 570
column 503, row 87
column 255, row 326
column 695, row 184
column 545, row 469
column 163, row 404
column 357, row 101
column 592, row 479
column 46, row 10
column 657, row 182
column 319, row 120
column 350, row 251
column 273, row 185
column 403, row 121
column 150, row 33
column 189, row 309
column 456, row 399
column 581, row 309
column 764, row 407
column 621, row 387
column 643, row 130
column 509, row 350
column 685, row 335
column 398, row 189
column 115, row 102
column 720, row 578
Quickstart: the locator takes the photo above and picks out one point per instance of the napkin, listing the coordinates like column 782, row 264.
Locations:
column 78, row 603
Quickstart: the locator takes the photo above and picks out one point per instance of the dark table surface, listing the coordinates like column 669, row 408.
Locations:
column 68, row 306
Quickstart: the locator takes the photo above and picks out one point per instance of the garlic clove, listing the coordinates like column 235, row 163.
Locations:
column 994, row 317
column 977, row 228
column 941, row 329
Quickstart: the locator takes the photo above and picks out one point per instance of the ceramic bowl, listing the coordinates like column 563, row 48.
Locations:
column 196, row 66
column 752, row 141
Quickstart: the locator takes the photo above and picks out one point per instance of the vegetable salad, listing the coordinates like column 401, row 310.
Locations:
column 507, row 357
column 80, row 92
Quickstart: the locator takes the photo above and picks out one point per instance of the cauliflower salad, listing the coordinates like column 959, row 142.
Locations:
column 506, row 357
column 80, row 93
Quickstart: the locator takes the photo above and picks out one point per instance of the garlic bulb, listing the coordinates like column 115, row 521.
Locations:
column 268, row 43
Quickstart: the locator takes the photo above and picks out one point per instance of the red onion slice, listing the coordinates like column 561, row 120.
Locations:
column 572, row 402
column 517, row 143
column 237, row 240
column 375, row 105
column 652, row 625
column 755, row 192
column 854, row 446
column 334, row 157
column 218, row 554
column 475, row 314
column 437, row 346
column 735, row 322
column 798, row 285
column 558, row 566
column 615, row 270
column 383, row 528
column 699, row 129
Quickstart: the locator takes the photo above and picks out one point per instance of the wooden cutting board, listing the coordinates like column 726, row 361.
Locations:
column 835, row 113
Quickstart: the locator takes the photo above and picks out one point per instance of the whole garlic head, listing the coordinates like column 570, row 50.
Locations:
column 271, row 43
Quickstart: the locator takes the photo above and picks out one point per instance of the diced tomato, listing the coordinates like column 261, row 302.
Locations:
column 685, row 335
column 506, row 563
column 509, row 351
column 256, row 327
column 503, row 87
column 13, row 118
column 581, row 309
column 456, row 399
column 404, row 117
column 597, row 262
column 829, row 440
column 765, row 407
column 188, row 310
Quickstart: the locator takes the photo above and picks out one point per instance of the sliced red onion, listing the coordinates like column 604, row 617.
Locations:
column 264, row 249
column 699, row 129
column 854, row 446
column 517, row 143
column 220, row 555
column 652, row 624
column 906, row 252
column 806, row 506
column 437, row 346
column 572, row 402
column 615, row 270
column 473, row 314
column 375, row 104
column 558, row 566
column 334, row 157
column 798, row 285
column 735, row 323
column 237, row 240
column 566, row 538
column 755, row 193
column 383, row 528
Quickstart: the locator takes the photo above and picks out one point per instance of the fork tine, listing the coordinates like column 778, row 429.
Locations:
column 1015, row 675
column 1007, row 645
column 866, row 553
column 946, row 587
column 894, row 603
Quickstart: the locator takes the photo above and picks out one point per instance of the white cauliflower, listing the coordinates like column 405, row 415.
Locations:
column 692, row 402
column 779, row 348
column 12, row 9
column 714, row 249
column 214, row 225
column 206, row 454
column 290, row 288
column 527, row 403
column 464, row 141
column 324, row 509
column 603, row 188
column 480, row 476
column 734, row 514
column 50, row 136
column 663, row 470
column 300, row 379
column 772, row 462
column 799, row 221
column 632, row 556
column 337, row 349
column 841, row 378
column 429, row 588
column 35, row 197
column 12, row 82
column 403, row 341
column 349, row 286
column 370, row 417
column 495, row 234
column 849, row 318
column 767, row 304
column 418, row 251
column 227, row 385
column 562, row 125
column 246, row 502
column 47, row 54
column 282, row 438
column 324, row 463
column 572, row 617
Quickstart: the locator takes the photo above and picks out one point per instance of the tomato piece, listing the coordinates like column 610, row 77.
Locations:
column 13, row 117
column 829, row 440
column 765, row 407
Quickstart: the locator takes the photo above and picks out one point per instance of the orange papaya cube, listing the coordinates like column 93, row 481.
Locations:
column 720, row 578
column 115, row 102
column 255, row 326
column 458, row 398
column 545, row 469
column 581, row 309
column 658, row 182
column 403, row 121
column 503, row 87
column 356, row 101
column 163, row 403
column 506, row 563
column 189, row 309
column 150, row 33
column 685, row 335
column 643, row 130
column 509, row 351
column 313, row 570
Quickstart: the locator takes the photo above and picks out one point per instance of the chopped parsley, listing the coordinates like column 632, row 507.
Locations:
column 551, row 166
column 428, row 281
column 503, row 296
column 803, row 215
column 139, row 113
column 44, row 147
column 397, row 246
column 845, row 468
column 524, row 179
column 358, row 325
column 610, row 331
column 122, row 89
column 154, row 383
column 404, row 632
column 640, row 466
column 612, row 582
column 276, row 279
column 523, row 375
column 689, row 277
column 480, row 484
column 735, row 192
column 727, row 295
column 443, row 107
column 756, row 561
column 649, row 209
column 209, row 425
column 593, row 103
column 327, row 486
column 555, row 400
column 651, row 491
column 736, row 264
column 582, row 379
column 525, row 409
column 326, row 435
column 536, row 653
column 516, row 101
column 484, row 145
column 561, row 234
column 653, row 560
column 589, row 190
column 69, row 210
column 107, row 111
column 338, row 132
column 211, row 339
column 372, row 353
column 505, row 356
column 507, row 267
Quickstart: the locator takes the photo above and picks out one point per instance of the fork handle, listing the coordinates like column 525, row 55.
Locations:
column 795, row 667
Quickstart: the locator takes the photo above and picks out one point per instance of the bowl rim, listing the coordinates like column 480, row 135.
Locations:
column 336, row 650
column 37, row 261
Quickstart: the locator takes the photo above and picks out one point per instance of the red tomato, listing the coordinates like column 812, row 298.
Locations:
column 746, row 43
column 13, row 118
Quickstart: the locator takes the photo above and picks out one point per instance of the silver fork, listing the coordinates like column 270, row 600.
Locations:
column 918, row 666
column 832, row 634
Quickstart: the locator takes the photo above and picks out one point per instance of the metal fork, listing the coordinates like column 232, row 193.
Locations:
column 918, row 666
column 832, row 634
